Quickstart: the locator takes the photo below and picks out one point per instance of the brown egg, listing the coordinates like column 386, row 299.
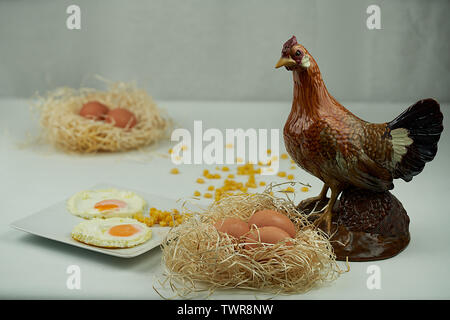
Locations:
column 121, row 118
column 265, row 235
column 273, row 218
column 94, row 110
column 233, row 226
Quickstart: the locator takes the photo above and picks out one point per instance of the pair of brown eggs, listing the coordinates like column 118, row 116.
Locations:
column 271, row 227
column 120, row 117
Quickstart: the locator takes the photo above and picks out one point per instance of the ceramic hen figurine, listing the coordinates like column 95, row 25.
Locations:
column 342, row 150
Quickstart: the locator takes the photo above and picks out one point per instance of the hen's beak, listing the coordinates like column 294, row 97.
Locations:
column 285, row 62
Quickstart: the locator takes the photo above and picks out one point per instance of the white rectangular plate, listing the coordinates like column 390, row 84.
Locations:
column 56, row 223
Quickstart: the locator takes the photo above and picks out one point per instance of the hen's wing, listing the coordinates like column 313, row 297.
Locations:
column 361, row 153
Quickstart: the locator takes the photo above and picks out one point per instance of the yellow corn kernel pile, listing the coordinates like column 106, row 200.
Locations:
column 247, row 169
column 163, row 218
column 228, row 188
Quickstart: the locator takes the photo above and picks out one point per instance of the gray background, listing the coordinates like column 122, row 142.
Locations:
column 226, row 50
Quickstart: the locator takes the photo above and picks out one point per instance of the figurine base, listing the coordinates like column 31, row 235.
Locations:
column 366, row 225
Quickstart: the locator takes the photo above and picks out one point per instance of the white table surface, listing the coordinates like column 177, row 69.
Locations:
column 35, row 177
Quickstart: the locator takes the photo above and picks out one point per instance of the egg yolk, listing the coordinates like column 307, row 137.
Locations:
column 123, row 230
column 109, row 204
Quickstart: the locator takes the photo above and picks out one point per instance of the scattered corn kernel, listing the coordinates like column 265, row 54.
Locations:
column 174, row 171
column 284, row 156
column 281, row 174
column 210, row 188
column 170, row 151
column 262, row 183
column 229, row 145
column 269, row 151
column 200, row 180
column 290, row 177
column 207, row 195
column 293, row 167
column 289, row 190
column 304, row 189
column 225, row 169
column 197, row 193
column 231, row 176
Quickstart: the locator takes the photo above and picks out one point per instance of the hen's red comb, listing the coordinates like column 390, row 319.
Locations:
column 288, row 45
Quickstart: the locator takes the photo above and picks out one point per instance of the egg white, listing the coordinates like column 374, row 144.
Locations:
column 95, row 232
column 82, row 204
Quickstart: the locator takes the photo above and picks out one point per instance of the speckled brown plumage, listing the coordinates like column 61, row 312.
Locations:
column 342, row 150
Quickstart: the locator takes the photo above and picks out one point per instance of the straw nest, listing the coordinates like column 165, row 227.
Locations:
column 199, row 258
column 66, row 129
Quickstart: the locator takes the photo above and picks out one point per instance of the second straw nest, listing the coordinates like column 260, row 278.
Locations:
column 198, row 257
column 63, row 126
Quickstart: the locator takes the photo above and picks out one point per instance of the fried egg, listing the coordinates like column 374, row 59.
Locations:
column 112, row 232
column 105, row 203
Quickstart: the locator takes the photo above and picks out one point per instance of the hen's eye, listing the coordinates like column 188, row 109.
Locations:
column 297, row 53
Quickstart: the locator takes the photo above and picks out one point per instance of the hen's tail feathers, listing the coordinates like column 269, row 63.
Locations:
column 423, row 122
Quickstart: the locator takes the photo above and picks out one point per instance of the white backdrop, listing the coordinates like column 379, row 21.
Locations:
column 226, row 50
